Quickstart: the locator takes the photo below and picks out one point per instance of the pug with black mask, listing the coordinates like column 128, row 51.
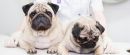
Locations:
column 83, row 36
column 40, row 29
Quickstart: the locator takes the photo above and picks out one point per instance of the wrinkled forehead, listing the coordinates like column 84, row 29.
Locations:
column 86, row 29
column 88, row 25
column 40, row 7
column 89, row 30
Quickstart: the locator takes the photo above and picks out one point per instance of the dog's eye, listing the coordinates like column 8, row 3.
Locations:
column 96, row 38
column 33, row 14
column 49, row 13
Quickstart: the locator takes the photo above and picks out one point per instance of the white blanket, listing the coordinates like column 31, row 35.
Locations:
column 18, row 51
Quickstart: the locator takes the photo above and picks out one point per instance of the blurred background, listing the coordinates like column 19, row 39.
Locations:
column 117, row 13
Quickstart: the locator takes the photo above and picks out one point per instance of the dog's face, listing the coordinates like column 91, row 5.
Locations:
column 40, row 15
column 85, row 36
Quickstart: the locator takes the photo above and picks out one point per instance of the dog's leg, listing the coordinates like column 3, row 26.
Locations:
column 99, row 51
column 52, row 49
column 58, row 38
column 16, row 41
column 28, row 47
column 62, row 50
column 13, row 41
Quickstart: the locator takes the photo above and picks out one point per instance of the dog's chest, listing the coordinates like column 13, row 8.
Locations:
column 42, row 42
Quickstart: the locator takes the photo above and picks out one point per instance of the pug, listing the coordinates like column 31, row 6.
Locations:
column 83, row 36
column 40, row 29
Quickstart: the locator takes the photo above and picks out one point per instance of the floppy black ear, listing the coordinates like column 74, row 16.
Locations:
column 26, row 8
column 76, row 30
column 54, row 7
column 100, row 27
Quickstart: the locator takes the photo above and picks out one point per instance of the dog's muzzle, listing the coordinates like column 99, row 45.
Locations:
column 41, row 23
column 88, row 45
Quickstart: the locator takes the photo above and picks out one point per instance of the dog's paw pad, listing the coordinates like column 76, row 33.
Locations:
column 52, row 50
column 32, row 51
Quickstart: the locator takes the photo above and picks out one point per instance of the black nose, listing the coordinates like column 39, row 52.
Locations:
column 41, row 26
column 41, row 22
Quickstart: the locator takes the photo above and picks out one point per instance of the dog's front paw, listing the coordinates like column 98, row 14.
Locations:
column 31, row 51
column 52, row 50
column 11, row 43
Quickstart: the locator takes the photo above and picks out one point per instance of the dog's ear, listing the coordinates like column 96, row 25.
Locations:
column 54, row 7
column 26, row 8
column 100, row 27
column 76, row 30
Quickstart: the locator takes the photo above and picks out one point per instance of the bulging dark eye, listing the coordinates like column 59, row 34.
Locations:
column 96, row 38
column 33, row 14
column 49, row 13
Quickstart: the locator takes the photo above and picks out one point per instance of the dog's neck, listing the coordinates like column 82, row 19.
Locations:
column 40, row 33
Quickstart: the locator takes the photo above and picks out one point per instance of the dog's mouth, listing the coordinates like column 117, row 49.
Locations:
column 86, row 43
column 41, row 22
column 89, row 44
